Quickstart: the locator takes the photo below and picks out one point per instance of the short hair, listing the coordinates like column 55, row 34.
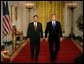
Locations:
column 53, row 14
column 35, row 16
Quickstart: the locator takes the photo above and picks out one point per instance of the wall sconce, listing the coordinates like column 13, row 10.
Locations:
column 29, row 5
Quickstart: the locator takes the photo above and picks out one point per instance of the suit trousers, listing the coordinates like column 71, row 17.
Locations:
column 35, row 48
column 54, row 47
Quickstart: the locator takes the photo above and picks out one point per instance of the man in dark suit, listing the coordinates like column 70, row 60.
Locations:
column 35, row 35
column 55, row 32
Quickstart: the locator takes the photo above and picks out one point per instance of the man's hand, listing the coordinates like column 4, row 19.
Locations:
column 41, row 39
column 46, row 39
column 61, row 39
column 28, row 39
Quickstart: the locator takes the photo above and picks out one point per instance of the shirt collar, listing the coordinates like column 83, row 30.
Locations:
column 35, row 22
column 53, row 22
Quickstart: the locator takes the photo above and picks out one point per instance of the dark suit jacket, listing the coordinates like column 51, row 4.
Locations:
column 53, row 33
column 33, row 34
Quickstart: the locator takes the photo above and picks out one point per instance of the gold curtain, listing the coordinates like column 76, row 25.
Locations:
column 46, row 8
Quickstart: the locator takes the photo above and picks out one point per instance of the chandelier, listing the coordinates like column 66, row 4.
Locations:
column 72, row 5
column 29, row 4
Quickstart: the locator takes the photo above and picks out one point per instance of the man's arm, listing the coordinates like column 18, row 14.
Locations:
column 46, row 31
column 41, row 30
column 28, row 31
column 60, row 30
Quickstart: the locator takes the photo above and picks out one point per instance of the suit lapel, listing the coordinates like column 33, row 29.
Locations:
column 33, row 26
column 51, row 25
column 56, row 25
column 37, row 26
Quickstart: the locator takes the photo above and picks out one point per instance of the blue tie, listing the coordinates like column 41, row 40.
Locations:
column 54, row 25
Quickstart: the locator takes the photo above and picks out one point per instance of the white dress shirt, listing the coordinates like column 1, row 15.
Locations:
column 53, row 22
column 35, row 24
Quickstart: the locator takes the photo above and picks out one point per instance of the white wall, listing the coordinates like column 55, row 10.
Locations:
column 22, row 16
column 1, row 24
column 67, row 18
column 77, row 12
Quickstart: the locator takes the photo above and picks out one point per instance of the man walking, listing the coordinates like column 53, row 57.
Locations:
column 55, row 32
column 35, row 35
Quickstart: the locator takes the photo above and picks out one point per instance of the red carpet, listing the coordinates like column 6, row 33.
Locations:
column 68, row 53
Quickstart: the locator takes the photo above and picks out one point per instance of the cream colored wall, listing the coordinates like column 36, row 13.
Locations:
column 22, row 20
column 67, row 18
column 77, row 12
column 1, row 24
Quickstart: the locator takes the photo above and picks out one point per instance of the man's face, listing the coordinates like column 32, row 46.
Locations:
column 35, row 19
column 53, row 17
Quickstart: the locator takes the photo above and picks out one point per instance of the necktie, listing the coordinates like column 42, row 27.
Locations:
column 53, row 24
column 35, row 26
